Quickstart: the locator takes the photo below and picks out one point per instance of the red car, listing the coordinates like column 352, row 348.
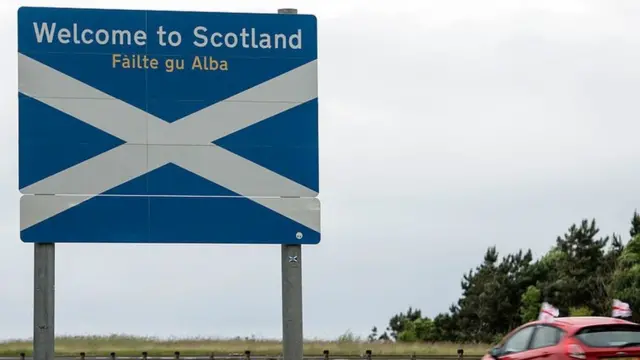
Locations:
column 571, row 338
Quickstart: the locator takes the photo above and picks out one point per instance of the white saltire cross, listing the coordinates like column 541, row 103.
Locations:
column 152, row 143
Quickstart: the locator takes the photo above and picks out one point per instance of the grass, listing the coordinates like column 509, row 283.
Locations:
column 134, row 346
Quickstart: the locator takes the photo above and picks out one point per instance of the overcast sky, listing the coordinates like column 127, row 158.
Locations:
column 446, row 127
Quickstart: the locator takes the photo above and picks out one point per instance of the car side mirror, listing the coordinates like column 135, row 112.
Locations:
column 495, row 352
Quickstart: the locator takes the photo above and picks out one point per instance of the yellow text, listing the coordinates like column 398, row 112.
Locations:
column 209, row 63
column 124, row 61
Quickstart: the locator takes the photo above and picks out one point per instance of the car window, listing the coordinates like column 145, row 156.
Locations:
column 609, row 335
column 546, row 336
column 518, row 342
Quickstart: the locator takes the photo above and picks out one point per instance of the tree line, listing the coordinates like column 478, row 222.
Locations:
column 580, row 275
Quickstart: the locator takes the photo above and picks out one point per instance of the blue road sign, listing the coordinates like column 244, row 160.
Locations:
column 167, row 127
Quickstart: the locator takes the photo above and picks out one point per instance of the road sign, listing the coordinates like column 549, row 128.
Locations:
column 167, row 127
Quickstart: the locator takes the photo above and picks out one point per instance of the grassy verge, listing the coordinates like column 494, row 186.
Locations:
column 134, row 346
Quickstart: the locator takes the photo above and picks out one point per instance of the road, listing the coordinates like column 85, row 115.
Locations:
column 227, row 357
column 256, row 357
column 219, row 357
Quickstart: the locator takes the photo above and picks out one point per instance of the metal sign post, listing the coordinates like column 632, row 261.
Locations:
column 292, row 330
column 292, row 335
column 44, row 301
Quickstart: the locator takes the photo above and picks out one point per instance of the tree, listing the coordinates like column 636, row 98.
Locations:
column 398, row 322
column 517, row 273
column 531, row 302
column 408, row 334
column 635, row 225
column 490, row 302
column 446, row 326
column 602, row 293
column 625, row 283
column 424, row 329
column 384, row 337
column 373, row 336
column 583, row 255
column 474, row 305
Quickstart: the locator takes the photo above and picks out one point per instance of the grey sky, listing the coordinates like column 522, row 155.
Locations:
column 446, row 127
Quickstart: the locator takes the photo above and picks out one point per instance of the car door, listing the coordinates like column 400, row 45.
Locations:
column 516, row 346
column 544, row 343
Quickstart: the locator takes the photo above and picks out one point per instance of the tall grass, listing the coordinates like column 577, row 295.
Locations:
column 124, row 345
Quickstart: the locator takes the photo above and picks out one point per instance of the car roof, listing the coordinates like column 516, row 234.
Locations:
column 581, row 321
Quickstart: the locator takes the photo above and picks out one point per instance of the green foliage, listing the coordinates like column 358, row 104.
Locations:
column 635, row 225
column 409, row 333
column 424, row 329
column 398, row 322
column 580, row 275
column 625, row 282
column 530, row 304
column 580, row 311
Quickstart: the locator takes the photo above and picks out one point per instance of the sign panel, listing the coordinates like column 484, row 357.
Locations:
column 217, row 111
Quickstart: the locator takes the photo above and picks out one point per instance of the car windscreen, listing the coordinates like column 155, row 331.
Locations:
column 618, row 335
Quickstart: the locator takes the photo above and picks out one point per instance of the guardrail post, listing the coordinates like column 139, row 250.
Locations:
column 413, row 356
column 145, row 355
column 326, row 354
column 113, row 356
column 177, row 355
column 247, row 354
column 460, row 354
column 368, row 352
column 22, row 355
column 212, row 357
column 82, row 355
